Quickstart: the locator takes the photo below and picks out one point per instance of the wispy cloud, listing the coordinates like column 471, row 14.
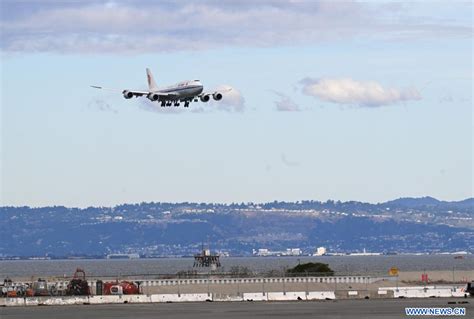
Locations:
column 288, row 162
column 232, row 99
column 144, row 26
column 101, row 105
column 352, row 92
column 285, row 103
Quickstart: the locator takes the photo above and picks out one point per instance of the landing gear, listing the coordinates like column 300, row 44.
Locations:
column 177, row 103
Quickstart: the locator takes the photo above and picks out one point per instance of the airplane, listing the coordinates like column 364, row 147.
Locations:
column 187, row 91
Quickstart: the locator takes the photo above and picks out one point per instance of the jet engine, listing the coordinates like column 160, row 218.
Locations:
column 153, row 97
column 217, row 96
column 205, row 98
column 127, row 94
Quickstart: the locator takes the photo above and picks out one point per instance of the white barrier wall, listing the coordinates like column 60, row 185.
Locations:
column 178, row 298
column 321, row 295
column 94, row 300
column 226, row 297
column 290, row 295
column 119, row 299
column 424, row 292
column 406, row 292
column 255, row 296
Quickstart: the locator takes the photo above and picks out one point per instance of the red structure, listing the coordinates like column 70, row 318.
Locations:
column 424, row 278
column 121, row 288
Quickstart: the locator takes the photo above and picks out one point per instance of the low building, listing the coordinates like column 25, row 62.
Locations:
column 320, row 251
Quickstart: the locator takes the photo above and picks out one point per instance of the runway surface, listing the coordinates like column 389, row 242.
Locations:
column 387, row 308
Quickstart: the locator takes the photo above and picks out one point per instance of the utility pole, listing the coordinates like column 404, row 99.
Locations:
column 454, row 288
column 307, row 288
column 208, row 291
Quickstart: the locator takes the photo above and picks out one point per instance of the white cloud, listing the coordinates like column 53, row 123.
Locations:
column 285, row 103
column 232, row 99
column 140, row 27
column 362, row 93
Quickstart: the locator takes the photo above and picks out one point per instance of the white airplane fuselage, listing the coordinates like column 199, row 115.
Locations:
column 182, row 90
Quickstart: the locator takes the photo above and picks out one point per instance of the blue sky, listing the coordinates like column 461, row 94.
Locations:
column 332, row 100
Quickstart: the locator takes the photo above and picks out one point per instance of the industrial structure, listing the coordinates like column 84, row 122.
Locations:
column 206, row 259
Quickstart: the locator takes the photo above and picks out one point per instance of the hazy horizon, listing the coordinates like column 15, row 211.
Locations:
column 237, row 203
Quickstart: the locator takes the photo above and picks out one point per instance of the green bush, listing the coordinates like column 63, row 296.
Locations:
column 314, row 269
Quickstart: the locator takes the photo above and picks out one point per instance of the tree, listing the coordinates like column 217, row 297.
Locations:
column 318, row 269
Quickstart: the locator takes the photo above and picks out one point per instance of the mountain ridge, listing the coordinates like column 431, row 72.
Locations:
column 178, row 229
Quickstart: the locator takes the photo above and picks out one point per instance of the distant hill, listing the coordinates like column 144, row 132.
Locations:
column 176, row 229
column 413, row 202
column 429, row 201
column 467, row 203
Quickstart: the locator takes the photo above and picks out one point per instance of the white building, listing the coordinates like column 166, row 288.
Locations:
column 262, row 252
column 293, row 252
column 320, row 251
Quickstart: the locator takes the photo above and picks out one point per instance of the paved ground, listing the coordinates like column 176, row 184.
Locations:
column 388, row 308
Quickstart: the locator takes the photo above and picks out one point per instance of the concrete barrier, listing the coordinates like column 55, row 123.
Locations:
column 255, row 296
column 12, row 301
column 178, row 298
column 95, row 300
column 290, row 295
column 52, row 301
column 424, row 292
column 119, row 299
column 320, row 295
column 386, row 292
column 226, row 297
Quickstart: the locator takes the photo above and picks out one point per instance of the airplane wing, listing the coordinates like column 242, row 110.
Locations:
column 135, row 93
column 216, row 95
column 132, row 92
column 215, row 92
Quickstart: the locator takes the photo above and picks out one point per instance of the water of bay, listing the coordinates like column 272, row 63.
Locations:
column 149, row 267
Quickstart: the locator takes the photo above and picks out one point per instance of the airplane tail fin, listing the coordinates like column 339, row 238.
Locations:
column 151, row 81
